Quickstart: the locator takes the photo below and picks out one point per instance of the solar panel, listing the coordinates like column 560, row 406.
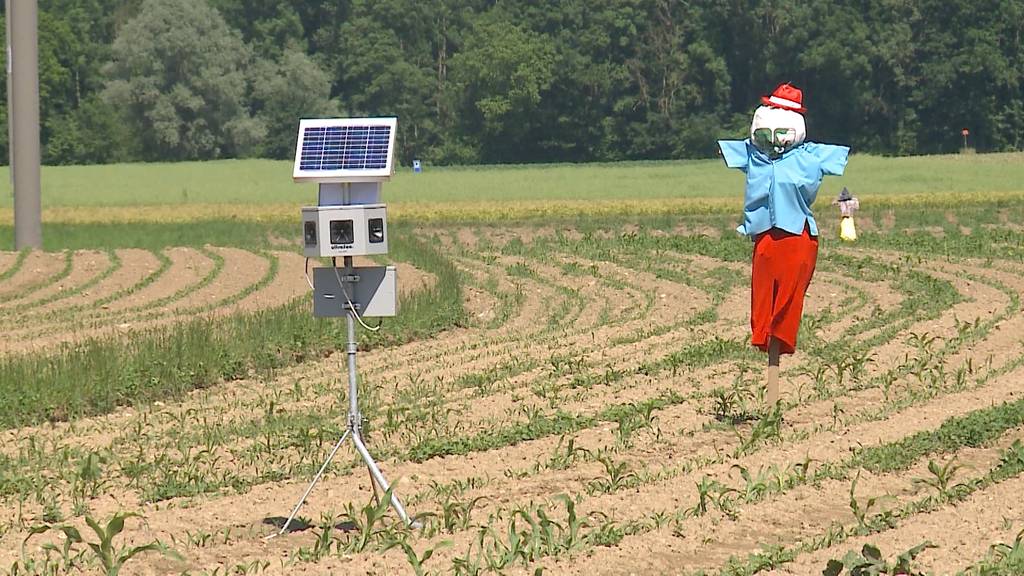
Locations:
column 345, row 150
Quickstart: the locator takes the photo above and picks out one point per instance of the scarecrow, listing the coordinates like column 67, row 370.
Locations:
column 848, row 204
column 783, row 176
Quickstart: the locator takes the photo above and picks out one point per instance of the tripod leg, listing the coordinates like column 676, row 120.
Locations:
column 379, row 478
column 315, row 480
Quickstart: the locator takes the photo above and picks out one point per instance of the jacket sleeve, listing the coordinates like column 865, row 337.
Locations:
column 735, row 153
column 832, row 158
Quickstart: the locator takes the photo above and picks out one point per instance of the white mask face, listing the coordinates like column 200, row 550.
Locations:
column 775, row 130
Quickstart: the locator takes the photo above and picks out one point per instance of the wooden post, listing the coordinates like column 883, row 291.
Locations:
column 772, row 384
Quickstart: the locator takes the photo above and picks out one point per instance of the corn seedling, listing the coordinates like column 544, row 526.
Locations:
column 860, row 510
column 817, row 374
column 796, row 474
column 470, row 564
column 730, row 404
column 757, row 486
column 566, row 454
column 767, row 429
column 711, row 491
column 837, row 415
column 618, row 475
column 455, row 514
column 367, row 526
column 88, row 481
column 111, row 556
column 941, row 478
column 416, row 561
column 924, row 342
column 607, row 534
column 1003, row 559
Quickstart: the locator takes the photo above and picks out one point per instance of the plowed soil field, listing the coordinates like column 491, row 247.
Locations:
column 601, row 413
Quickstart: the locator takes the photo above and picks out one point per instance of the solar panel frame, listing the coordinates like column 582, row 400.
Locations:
column 345, row 150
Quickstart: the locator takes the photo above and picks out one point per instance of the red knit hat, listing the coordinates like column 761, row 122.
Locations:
column 787, row 97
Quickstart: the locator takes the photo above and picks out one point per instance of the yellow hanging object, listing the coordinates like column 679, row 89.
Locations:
column 847, row 230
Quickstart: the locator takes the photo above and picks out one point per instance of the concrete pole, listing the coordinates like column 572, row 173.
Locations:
column 7, row 60
column 23, row 115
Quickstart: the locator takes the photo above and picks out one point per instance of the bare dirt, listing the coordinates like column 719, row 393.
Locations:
column 35, row 272
column 99, row 298
column 565, row 337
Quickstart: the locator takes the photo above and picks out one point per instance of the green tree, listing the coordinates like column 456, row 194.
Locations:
column 269, row 26
column 971, row 74
column 284, row 91
column 546, row 80
column 74, row 42
column 585, row 109
column 396, row 62
column 502, row 74
column 178, row 73
column 680, row 84
column 89, row 134
column 378, row 80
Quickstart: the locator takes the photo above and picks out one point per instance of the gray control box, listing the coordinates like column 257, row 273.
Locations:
column 372, row 289
column 352, row 230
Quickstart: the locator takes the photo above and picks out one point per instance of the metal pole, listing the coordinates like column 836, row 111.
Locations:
column 23, row 114
column 313, row 483
column 354, row 416
column 355, row 422
column 381, row 481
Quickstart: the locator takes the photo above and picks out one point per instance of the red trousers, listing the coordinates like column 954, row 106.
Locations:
column 783, row 265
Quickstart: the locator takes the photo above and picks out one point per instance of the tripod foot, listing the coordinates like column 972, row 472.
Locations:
column 378, row 477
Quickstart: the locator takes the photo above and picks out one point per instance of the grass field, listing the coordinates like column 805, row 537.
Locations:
column 569, row 388
column 266, row 182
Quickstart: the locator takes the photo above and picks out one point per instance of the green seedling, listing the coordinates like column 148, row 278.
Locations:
column 1013, row 456
column 767, row 429
column 608, row 533
column 711, row 491
column 470, row 564
column 869, row 562
column 111, row 556
column 88, row 481
column 818, row 374
column 456, row 514
column 730, row 404
column 325, row 540
column 924, row 342
column 574, row 525
column 757, row 486
column 941, row 478
column 860, row 510
column 797, row 474
column 618, row 475
column 368, row 528
column 837, row 415
column 566, row 454
column 1004, row 558
column 416, row 561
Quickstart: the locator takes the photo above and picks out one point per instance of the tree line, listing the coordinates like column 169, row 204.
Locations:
column 492, row 81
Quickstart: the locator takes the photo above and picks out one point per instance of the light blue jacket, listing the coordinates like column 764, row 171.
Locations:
column 780, row 192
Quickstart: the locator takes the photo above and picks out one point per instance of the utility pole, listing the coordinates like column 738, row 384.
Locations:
column 10, row 125
column 23, row 118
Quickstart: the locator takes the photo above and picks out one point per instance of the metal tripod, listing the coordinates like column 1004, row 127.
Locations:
column 355, row 423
